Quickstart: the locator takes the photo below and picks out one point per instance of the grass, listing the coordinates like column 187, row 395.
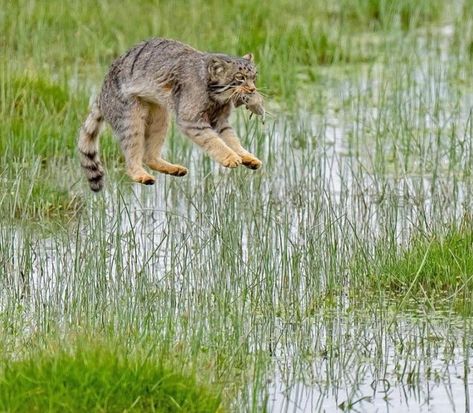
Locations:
column 334, row 278
column 96, row 376
column 435, row 267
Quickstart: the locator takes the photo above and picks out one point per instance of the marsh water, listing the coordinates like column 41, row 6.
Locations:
column 421, row 365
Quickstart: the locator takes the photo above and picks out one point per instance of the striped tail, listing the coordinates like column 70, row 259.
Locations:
column 88, row 146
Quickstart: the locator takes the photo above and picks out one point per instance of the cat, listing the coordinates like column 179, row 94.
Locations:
column 159, row 76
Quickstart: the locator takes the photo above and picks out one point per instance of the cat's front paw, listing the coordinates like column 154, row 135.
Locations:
column 251, row 161
column 231, row 161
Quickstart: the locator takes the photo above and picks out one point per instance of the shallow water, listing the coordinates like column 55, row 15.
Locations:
column 420, row 367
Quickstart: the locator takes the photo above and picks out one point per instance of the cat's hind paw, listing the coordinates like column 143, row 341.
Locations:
column 145, row 179
column 168, row 168
column 179, row 171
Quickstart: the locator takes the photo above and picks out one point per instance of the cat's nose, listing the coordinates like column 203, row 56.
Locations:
column 251, row 87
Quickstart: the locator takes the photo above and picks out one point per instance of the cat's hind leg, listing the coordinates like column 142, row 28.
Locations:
column 129, row 126
column 155, row 134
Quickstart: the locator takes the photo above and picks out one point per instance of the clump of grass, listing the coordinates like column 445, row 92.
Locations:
column 40, row 116
column 436, row 267
column 38, row 91
column 37, row 190
column 48, row 202
column 99, row 377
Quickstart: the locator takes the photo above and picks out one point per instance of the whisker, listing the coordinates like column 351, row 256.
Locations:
column 236, row 94
column 262, row 93
column 270, row 114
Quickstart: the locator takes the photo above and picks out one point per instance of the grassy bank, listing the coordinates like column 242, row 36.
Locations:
column 82, row 375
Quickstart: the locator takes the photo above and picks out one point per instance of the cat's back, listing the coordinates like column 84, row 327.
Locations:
column 156, row 55
column 155, row 70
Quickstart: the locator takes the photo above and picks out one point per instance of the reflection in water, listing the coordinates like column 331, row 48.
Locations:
column 411, row 370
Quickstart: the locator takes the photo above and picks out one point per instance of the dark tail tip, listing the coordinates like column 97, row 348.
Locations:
column 96, row 183
column 96, row 188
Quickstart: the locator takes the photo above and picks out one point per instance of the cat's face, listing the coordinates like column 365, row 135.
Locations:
column 230, row 78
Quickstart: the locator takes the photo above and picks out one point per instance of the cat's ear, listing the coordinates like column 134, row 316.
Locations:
column 217, row 66
column 249, row 56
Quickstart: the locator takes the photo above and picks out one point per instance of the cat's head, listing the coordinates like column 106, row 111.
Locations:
column 230, row 78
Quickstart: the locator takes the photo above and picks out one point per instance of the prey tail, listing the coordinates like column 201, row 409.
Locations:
column 88, row 147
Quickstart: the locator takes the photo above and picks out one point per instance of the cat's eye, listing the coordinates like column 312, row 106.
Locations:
column 239, row 77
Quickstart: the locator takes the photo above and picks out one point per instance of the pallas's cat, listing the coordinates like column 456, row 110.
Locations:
column 160, row 76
